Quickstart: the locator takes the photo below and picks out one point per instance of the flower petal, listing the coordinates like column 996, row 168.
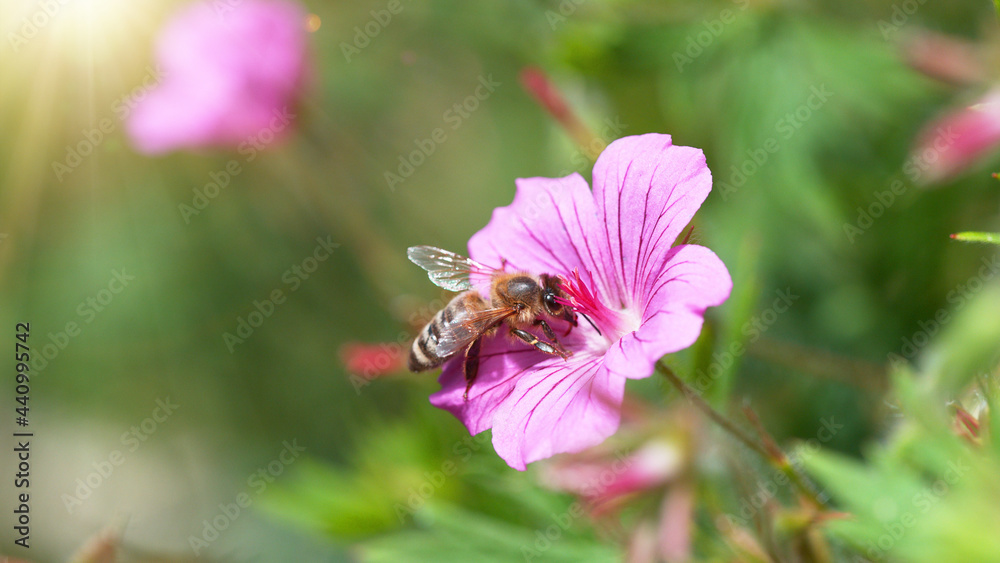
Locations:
column 957, row 141
column 231, row 74
column 647, row 190
column 544, row 230
column 693, row 278
column 676, row 519
column 499, row 363
column 558, row 406
column 502, row 359
column 602, row 479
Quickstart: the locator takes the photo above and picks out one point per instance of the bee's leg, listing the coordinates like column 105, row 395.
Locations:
column 547, row 330
column 471, row 365
column 548, row 347
column 552, row 336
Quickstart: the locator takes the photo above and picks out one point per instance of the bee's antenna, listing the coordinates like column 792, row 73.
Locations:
column 584, row 315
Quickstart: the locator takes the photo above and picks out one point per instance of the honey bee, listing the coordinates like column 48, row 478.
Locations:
column 518, row 300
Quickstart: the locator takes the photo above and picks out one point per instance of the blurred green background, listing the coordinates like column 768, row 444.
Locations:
column 626, row 67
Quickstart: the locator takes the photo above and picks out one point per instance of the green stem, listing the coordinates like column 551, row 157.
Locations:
column 768, row 450
column 821, row 363
column 973, row 236
column 704, row 407
column 778, row 458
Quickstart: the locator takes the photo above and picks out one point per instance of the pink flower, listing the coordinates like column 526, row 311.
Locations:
column 614, row 248
column 960, row 139
column 658, row 468
column 944, row 58
column 369, row 361
column 605, row 481
column 232, row 74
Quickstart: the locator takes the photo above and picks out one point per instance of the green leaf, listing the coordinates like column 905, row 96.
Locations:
column 451, row 534
column 969, row 343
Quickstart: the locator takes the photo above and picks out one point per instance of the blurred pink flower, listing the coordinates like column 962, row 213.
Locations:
column 614, row 249
column 945, row 58
column 373, row 360
column 958, row 140
column 658, row 470
column 232, row 76
column 604, row 481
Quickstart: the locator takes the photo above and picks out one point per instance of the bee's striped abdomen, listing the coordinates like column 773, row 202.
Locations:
column 424, row 353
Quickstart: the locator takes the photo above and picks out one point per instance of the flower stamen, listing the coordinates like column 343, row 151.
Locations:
column 582, row 300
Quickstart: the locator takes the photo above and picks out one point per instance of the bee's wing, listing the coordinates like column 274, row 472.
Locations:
column 461, row 331
column 446, row 269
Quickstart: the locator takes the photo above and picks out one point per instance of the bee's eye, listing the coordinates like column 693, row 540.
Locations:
column 550, row 301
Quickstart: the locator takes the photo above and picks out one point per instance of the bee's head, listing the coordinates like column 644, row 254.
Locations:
column 552, row 295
